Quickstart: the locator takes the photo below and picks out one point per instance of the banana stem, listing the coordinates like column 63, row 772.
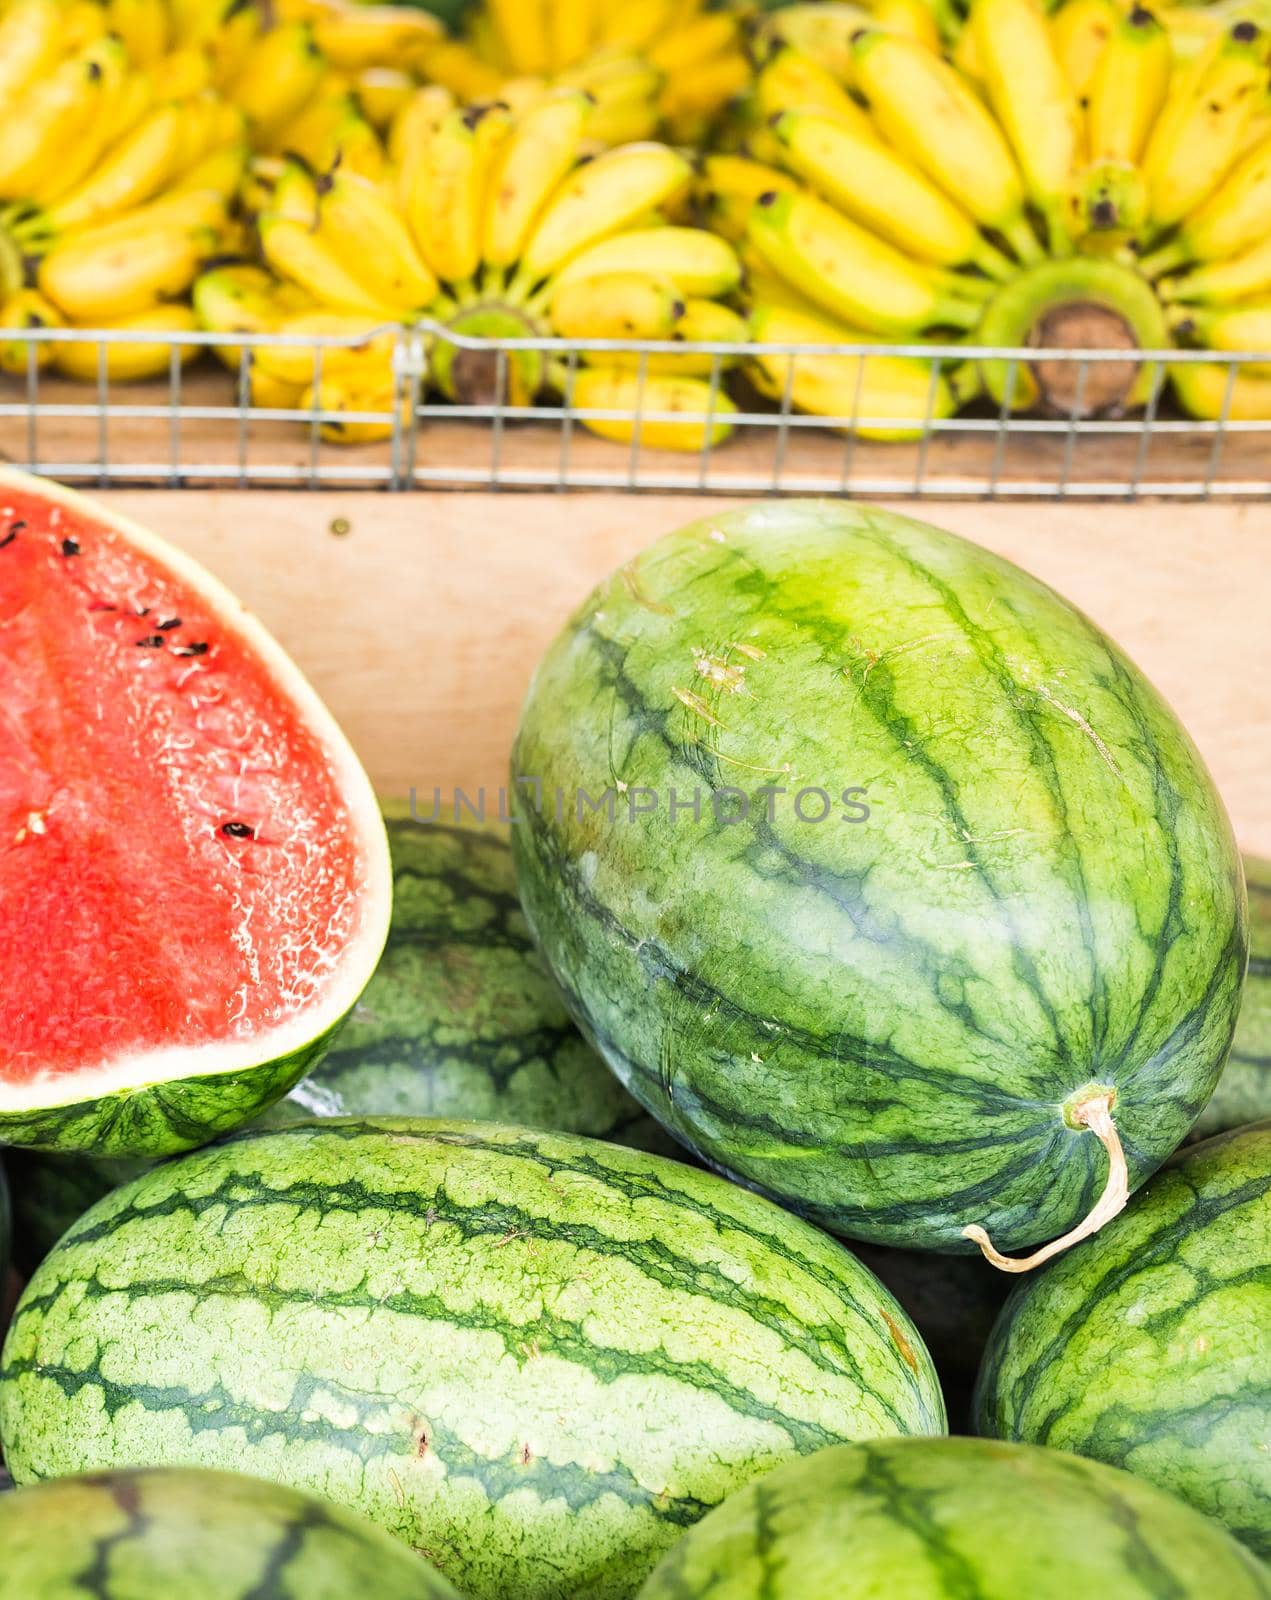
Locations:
column 10, row 266
column 1094, row 1114
column 1019, row 234
column 961, row 314
column 1164, row 260
column 995, row 263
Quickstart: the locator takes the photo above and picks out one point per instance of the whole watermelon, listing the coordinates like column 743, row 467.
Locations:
column 535, row 1357
column 182, row 1534
column 955, row 873
column 1244, row 1090
column 460, row 1020
column 1150, row 1346
column 953, row 1519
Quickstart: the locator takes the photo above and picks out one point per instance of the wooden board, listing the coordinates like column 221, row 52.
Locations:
column 420, row 616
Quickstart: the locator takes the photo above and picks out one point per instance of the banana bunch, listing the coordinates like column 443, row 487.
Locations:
column 493, row 224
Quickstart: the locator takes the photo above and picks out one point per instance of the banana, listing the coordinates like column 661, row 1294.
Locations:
column 1239, row 278
column 699, row 264
column 599, row 199
column 849, row 272
column 639, row 23
column 1214, row 393
column 1200, row 131
column 298, row 255
column 616, row 305
column 382, row 92
column 74, row 157
column 1128, row 88
column 706, row 35
column 364, row 348
column 878, row 397
column 220, row 173
column 311, row 132
column 414, row 124
column 703, row 322
column 694, row 99
column 881, row 190
column 520, row 28
column 451, row 64
column 446, row 203
column 142, row 25
column 540, row 150
column 232, row 29
column 821, row 30
column 662, row 412
column 183, row 73
column 931, row 115
column 354, row 146
column 31, row 40
column 101, row 275
column 236, row 299
column 133, row 173
column 914, row 18
column 357, row 36
column 571, row 30
column 1034, row 103
column 792, row 81
column 25, row 310
column 128, row 361
column 1079, row 33
column 50, row 118
column 281, row 72
column 136, row 97
column 726, row 188
column 368, row 234
column 1232, row 220
column 355, row 410
column 1237, row 329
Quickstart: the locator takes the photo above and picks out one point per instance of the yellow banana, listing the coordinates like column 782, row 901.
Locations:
column 133, row 172
column 792, row 81
column 127, row 362
column 281, row 71
column 821, row 30
column 1033, row 101
column 78, row 145
column 1211, row 391
column 300, row 256
column 727, row 186
column 637, row 24
column 699, row 264
column 446, row 202
column 704, row 322
column 382, row 92
column 601, row 198
column 540, row 150
column 359, row 36
column 368, row 234
column 1244, row 327
column 664, row 412
column 1124, row 99
column 100, row 276
column 617, row 305
column 415, row 123
column 451, row 64
column 932, row 116
column 1232, row 220
column 232, row 30
column 1200, row 131
column 136, row 96
column 183, row 73
column 354, row 146
column 295, row 195
column 50, row 117
column 1079, row 33
column 362, row 348
column 24, row 310
column 915, row 18
column 143, row 27
column 1239, row 278
column 31, row 40
column 236, row 299
column 219, row 173
column 694, row 98
column 311, row 131
column 679, row 49
column 849, row 272
column 876, row 396
column 881, row 190
column 353, row 410
column 521, row 29
column 571, row 30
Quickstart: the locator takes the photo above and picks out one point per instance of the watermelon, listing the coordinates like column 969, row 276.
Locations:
column 958, row 906
column 460, row 1020
column 953, row 1519
column 195, row 886
column 1150, row 1347
column 172, row 1532
column 1244, row 1090
column 534, row 1357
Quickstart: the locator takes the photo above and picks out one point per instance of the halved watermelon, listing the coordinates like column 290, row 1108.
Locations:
column 194, row 879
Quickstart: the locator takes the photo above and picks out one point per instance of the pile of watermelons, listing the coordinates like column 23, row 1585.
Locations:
column 859, row 889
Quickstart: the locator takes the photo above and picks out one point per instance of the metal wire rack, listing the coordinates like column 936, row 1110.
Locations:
column 198, row 424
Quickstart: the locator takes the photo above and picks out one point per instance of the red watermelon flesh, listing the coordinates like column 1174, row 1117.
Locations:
column 192, row 871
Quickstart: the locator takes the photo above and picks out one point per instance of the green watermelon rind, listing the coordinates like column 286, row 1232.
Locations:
column 1149, row 1346
column 179, row 1111
column 954, row 1518
column 993, row 984
column 1244, row 1090
column 198, row 1535
column 536, row 1357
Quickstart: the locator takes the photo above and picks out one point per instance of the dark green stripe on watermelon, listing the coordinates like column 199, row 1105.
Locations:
column 184, row 1534
column 537, row 1358
column 460, row 1020
column 1244, row 1090
column 954, row 1519
column 879, row 1022
column 1149, row 1346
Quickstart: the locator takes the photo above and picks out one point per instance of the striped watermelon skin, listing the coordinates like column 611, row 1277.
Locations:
column 535, row 1358
column 1149, row 1347
column 883, row 1023
column 954, row 1519
column 173, row 1532
column 1244, row 1090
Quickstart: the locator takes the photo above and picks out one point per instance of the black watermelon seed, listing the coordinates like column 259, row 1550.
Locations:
column 238, row 830
column 70, row 547
column 168, row 625
column 152, row 641
column 198, row 649
column 8, row 538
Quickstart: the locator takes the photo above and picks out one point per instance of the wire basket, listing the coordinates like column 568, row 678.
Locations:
column 198, row 425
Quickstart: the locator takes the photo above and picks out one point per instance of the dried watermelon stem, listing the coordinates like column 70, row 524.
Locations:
column 1094, row 1113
